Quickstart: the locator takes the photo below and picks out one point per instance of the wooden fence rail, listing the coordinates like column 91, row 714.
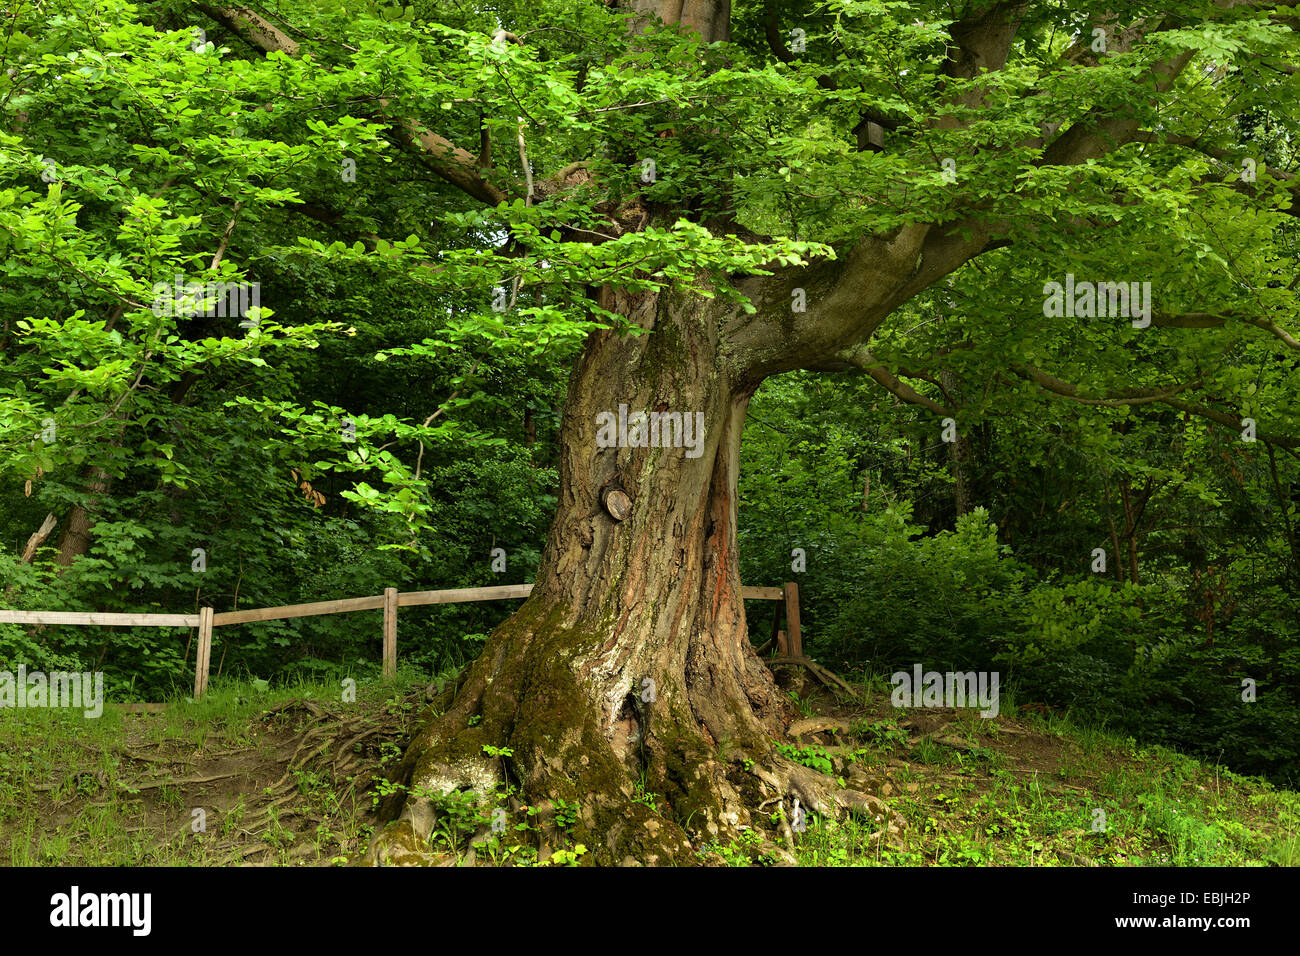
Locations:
column 790, row 644
column 105, row 619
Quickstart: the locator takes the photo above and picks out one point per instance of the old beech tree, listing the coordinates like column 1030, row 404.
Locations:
column 898, row 142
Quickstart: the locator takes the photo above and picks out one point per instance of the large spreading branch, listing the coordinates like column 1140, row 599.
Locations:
column 1055, row 388
column 1124, row 396
column 886, row 272
column 849, row 298
column 457, row 166
column 861, row 358
column 1135, row 396
column 251, row 27
column 1213, row 320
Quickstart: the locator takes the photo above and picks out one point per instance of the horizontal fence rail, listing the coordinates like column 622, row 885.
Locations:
column 207, row 619
column 104, row 619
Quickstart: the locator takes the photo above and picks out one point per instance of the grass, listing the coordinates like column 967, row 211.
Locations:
column 1020, row 789
column 1036, row 803
column 128, row 789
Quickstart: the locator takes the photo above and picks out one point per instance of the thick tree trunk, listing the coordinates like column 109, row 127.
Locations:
column 625, row 611
column 630, row 664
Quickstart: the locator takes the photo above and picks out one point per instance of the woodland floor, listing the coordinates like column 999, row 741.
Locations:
column 288, row 777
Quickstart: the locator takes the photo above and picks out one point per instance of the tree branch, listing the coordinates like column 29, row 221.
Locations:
column 1056, row 386
column 252, row 27
column 457, row 166
column 860, row 358
column 1231, row 158
column 1125, row 396
column 1210, row 320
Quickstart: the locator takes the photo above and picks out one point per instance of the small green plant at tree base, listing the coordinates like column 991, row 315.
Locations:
column 565, row 857
column 501, row 854
column 385, row 788
column 458, row 816
column 523, row 826
column 644, row 797
column 742, row 851
column 566, row 813
column 815, row 758
column 805, row 706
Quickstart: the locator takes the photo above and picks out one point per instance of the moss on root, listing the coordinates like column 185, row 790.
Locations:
column 524, row 694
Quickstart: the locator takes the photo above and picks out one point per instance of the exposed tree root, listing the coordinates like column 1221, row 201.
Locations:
column 700, row 796
column 326, row 747
column 552, row 713
column 815, row 725
column 824, row 675
column 822, row 794
column 183, row 781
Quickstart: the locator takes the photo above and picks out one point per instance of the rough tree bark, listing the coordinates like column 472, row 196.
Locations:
column 654, row 597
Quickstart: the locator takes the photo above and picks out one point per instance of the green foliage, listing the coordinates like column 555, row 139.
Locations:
column 813, row 757
column 883, row 591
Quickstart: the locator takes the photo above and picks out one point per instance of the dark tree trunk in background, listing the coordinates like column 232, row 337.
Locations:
column 76, row 537
column 959, row 453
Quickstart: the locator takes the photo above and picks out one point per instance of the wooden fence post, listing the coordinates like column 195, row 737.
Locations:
column 390, row 632
column 793, row 636
column 204, row 656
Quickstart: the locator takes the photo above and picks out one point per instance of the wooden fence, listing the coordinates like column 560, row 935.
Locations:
column 788, row 643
